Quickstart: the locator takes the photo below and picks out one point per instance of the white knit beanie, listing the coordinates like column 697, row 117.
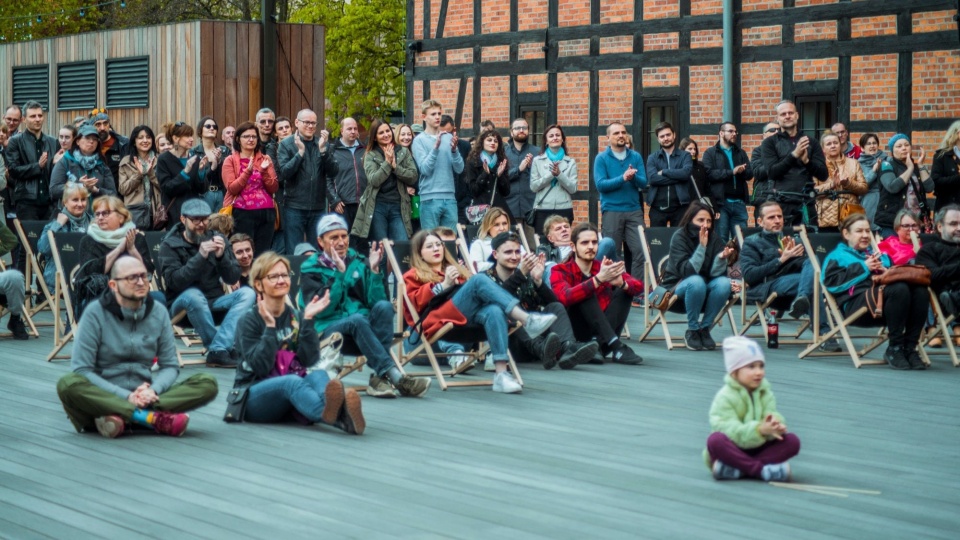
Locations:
column 330, row 222
column 739, row 351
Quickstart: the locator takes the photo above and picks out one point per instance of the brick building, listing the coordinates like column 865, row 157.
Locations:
column 882, row 66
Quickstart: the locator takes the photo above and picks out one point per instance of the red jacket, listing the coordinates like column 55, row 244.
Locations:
column 572, row 286
column 420, row 294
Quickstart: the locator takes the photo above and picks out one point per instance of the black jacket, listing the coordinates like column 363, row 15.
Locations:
column 177, row 188
column 723, row 183
column 760, row 264
column 760, row 184
column 786, row 172
column 347, row 183
column 523, row 288
column 28, row 181
column 946, row 177
column 521, row 198
column 683, row 244
column 481, row 184
column 182, row 267
column 113, row 155
column 303, row 179
column 943, row 260
column 890, row 202
column 91, row 250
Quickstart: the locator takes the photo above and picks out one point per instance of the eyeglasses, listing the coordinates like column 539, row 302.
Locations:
column 102, row 213
column 248, row 136
column 772, row 130
column 521, row 128
column 274, row 278
column 308, row 123
column 198, row 219
column 133, row 279
column 210, row 126
column 909, row 226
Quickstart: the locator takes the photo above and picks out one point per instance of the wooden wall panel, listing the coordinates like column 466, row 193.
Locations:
column 304, row 61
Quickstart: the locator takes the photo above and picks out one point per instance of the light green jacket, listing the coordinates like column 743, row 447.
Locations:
column 737, row 413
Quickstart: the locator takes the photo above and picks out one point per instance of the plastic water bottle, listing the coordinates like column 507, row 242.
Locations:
column 415, row 207
column 773, row 330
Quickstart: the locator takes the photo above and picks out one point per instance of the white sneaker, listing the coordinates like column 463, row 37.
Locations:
column 538, row 323
column 488, row 364
column 504, row 382
column 458, row 360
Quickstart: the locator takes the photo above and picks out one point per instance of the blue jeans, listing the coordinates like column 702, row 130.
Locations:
column 271, row 400
column 485, row 303
column 200, row 313
column 369, row 335
column 413, row 341
column 732, row 213
column 300, row 224
column 214, row 199
column 793, row 285
column 387, row 223
column 438, row 213
column 698, row 295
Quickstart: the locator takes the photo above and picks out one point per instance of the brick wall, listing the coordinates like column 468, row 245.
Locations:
column 612, row 11
column 571, row 109
column 660, row 9
column 815, row 31
column 459, row 56
column 936, row 84
column 459, row 21
column 531, row 14
column 815, row 70
column 530, row 50
column 527, row 84
column 760, row 90
column 577, row 149
column 873, row 26
column 616, row 96
column 496, row 16
column 804, row 3
column 573, row 47
column 706, row 94
column 701, row 39
column 428, row 58
column 467, row 120
column 934, row 21
column 495, row 99
column 761, row 5
column 873, row 87
column 616, row 44
column 762, row 35
column 445, row 91
column 706, row 7
column 498, row 53
column 573, row 12
column 661, row 42
column 417, row 19
column 661, row 77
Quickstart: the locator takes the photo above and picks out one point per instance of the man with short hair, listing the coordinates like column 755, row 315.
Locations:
column 462, row 190
column 346, row 186
column 792, row 161
column 283, row 127
column 619, row 175
column 439, row 161
column 729, row 171
column 112, row 145
column 195, row 264
column 242, row 247
column 29, row 159
column 12, row 118
column 304, row 167
column 227, row 135
column 13, row 287
column 851, row 150
column 119, row 339
column 668, row 174
column 597, row 295
column 519, row 156
column 359, row 309
column 266, row 122
column 761, row 186
column 523, row 277
column 942, row 257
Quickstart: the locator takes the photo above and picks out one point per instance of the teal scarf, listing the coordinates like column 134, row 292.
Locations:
column 555, row 156
column 490, row 159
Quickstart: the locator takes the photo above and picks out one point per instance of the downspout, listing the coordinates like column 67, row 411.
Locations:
column 728, row 80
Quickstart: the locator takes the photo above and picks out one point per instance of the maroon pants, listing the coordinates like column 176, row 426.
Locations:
column 751, row 461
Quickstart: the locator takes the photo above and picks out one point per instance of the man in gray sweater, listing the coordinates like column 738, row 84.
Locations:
column 117, row 342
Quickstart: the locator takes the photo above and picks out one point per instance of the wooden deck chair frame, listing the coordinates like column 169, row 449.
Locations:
column 446, row 379
column 659, row 317
column 31, row 327
column 521, row 232
column 61, row 296
column 841, row 323
column 941, row 325
column 464, row 247
column 761, row 306
column 32, row 270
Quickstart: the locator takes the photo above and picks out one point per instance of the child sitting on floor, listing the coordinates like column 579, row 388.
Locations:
column 749, row 438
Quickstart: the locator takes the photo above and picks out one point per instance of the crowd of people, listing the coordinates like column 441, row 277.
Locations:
column 236, row 202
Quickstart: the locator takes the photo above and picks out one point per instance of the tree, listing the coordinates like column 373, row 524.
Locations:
column 365, row 55
column 19, row 20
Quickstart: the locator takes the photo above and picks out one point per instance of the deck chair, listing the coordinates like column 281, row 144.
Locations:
column 27, row 319
column 772, row 301
column 154, row 239
column 66, row 257
column 29, row 233
column 817, row 246
column 467, row 335
column 942, row 320
column 521, row 232
column 655, row 242
column 463, row 245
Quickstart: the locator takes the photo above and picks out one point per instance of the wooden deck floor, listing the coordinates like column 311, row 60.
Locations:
column 600, row 452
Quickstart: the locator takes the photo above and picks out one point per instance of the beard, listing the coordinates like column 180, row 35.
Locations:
column 521, row 137
column 196, row 238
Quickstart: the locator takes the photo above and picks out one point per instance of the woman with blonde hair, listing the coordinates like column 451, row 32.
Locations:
column 494, row 222
column 73, row 217
column 844, row 174
column 946, row 168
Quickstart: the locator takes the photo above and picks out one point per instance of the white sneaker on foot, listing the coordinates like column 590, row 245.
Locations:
column 505, row 383
column 488, row 364
column 538, row 323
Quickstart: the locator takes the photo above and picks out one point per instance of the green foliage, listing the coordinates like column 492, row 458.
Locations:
column 18, row 18
column 364, row 55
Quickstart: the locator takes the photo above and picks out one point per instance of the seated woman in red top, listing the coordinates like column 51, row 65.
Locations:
column 470, row 300
column 899, row 247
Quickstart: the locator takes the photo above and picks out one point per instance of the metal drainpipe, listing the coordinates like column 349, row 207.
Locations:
column 728, row 80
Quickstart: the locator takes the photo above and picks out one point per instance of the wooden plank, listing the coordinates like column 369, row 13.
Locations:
column 306, row 70
column 294, row 51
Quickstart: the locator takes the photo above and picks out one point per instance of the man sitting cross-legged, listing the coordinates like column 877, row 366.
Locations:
column 771, row 262
column 195, row 264
column 522, row 277
column 359, row 309
column 597, row 295
column 118, row 339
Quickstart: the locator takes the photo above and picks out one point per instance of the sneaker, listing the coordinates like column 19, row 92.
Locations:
column 413, row 386
column 380, row 387
column 173, row 424
column 549, row 349
column 692, row 340
column 458, row 360
column 220, row 359
column 538, row 323
column 800, row 307
column 332, row 401
column 350, row 417
column 625, row 355
column 505, row 383
column 15, row 325
column 722, row 471
column 706, row 340
column 637, row 300
column 776, row 472
column 830, row 345
column 575, row 353
column 110, row 426
column 488, row 364
column 916, row 363
column 895, row 358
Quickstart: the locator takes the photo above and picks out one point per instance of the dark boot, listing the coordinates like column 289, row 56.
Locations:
column 547, row 348
column 16, row 326
column 576, row 353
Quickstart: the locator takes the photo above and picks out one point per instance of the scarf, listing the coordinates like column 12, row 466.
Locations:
column 491, row 159
column 325, row 261
column 555, row 156
column 144, row 168
column 111, row 239
column 87, row 162
column 77, row 224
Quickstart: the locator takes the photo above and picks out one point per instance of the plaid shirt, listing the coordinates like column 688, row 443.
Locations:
column 573, row 286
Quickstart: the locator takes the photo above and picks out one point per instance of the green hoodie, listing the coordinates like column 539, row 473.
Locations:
column 737, row 413
column 354, row 291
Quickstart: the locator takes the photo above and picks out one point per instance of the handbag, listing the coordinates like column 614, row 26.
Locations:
column 475, row 212
column 906, row 273
column 161, row 216
column 874, row 297
column 660, row 298
column 531, row 217
column 236, row 404
column 141, row 216
column 848, row 209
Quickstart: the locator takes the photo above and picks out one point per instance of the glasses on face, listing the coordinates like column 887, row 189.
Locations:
column 133, row 279
column 102, row 213
column 909, row 226
column 248, row 137
column 521, row 128
column 307, row 123
column 772, row 130
column 198, row 219
column 274, row 278
column 210, row 126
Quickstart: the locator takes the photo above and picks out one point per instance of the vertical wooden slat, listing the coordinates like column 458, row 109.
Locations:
column 255, row 82
column 319, row 70
column 283, row 81
column 293, row 53
column 208, row 49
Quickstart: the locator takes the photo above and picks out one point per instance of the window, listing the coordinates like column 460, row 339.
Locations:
column 817, row 114
column 655, row 112
column 32, row 83
column 76, row 86
column 128, row 82
column 536, row 117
